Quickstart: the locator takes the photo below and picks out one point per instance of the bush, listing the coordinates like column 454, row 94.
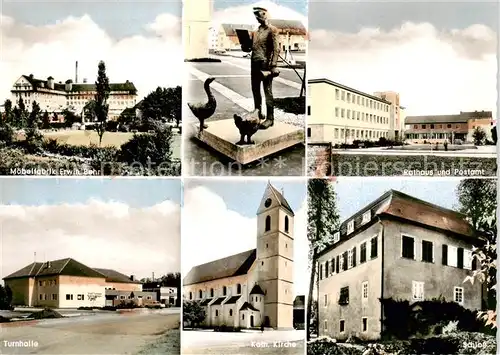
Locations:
column 109, row 308
column 226, row 329
column 6, row 134
column 294, row 105
column 34, row 141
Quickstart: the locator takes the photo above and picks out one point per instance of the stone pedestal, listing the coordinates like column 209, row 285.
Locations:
column 222, row 136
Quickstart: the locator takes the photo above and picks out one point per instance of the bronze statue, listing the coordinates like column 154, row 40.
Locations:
column 264, row 61
column 248, row 124
column 204, row 110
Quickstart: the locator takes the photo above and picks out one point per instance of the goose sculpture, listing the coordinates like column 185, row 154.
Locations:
column 248, row 124
column 204, row 110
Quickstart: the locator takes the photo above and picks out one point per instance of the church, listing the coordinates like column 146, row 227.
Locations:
column 255, row 287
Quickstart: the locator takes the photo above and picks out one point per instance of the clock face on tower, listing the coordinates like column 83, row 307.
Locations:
column 268, row 203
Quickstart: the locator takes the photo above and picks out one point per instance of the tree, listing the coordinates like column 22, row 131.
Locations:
column 5, row 298
column 69, row 118
column 34, row 115
column 323, row 219
column 193, row 313
column 494, row 135
column 45, row 120
column 8, row 113
column 479, row 136
column 20, row 114
column 128, row 117
column 477, row 201
column 101, row 107
column 163, row 104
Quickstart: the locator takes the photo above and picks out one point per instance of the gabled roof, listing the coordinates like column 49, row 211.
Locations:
column 233, row 265
column 398, row 205
column 233, row 300
column 206, row 301
column 278, row 196
column 115, row 276
column 256, row 290
column 347, row 88
column 218, row 301
column 248, row 307
column 66, row 266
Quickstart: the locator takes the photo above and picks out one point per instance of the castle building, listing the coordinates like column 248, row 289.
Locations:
column 67, row 283
column 255, row 287
column 448, row 128
column 397, row 247
column 54, row 97
column 339, row 114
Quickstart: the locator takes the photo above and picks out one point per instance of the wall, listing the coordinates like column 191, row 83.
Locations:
column 122, row 286
column 22, row 291
column 439, row 279
column 370, row 271
column 196, row 26
column 81, row 285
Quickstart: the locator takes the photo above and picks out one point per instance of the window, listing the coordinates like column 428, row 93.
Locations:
column 468, row 259
column 458, row 295
column 54, row 297
column 362, row 253
column 452, row 256
column 332, row 265
column 230, row 313
column 349, row 259
column 342, row 326
column 350, row 227
column 408, row 246
column 243, row 316
column 344, row 261
column 366, row 217
column 448, row 126
column 325, row 300
column 364, row 324
column 344, row 296
column 374, row 248
column 80, row 297
column 460, row 258
column 200, row 294
column 268, row 223
column 69, row 297
column 309, row 114
column 39, row 283
column 326, row 268
column 41, row 296
column 224, row 290
column 190, row 295
column 216, row 312
column 286, row 224
column 337, row 262
column 238, row 289
column 427, row 251
column 444, row 254
column 321, row 271
column 418, row 290
column 364, row 289
column 336, row 237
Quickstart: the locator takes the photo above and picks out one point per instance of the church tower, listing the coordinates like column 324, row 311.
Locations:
column 275, row 225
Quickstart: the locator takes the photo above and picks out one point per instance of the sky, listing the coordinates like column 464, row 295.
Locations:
column 219, row 220
column 131, row 226
column 439, row 56
column 240, row 11
column 139, row 41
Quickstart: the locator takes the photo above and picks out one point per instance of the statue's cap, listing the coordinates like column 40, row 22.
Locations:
column 257, row 9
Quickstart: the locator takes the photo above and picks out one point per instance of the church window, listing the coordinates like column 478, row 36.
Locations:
column 230, row 313
column 224, row 291
column 286, row 224
column 216, row 313
column 200, row 294
column 243, row 316
column 238, row 289
column 267, row 245
column 268, row 223
column 211, row 292
column 190, row 295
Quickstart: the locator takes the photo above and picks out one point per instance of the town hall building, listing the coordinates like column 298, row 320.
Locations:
column 255, row 287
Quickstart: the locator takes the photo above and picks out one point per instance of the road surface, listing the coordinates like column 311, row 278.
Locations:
column 98, row 333
column 232, row 90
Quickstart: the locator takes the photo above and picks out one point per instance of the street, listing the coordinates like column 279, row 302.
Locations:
column 98, row 332
column 232, row 91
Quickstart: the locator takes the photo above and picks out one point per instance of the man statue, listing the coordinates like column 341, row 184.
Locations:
column 264, row 61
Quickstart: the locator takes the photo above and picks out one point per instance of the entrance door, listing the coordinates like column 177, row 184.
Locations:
column 251, row 322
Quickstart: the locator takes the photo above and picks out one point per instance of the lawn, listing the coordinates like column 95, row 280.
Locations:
column 74, row 137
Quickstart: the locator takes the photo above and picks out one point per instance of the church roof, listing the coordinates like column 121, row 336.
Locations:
column 256, row 290
column 233, row 300
column 206, row 301
column 234, row 265
column 218, row 301
column 248, row 307
column 280, row 198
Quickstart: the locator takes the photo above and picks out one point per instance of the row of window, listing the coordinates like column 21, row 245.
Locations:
column 450, row 255
column 47, row 283
column 364, row 325
column 212, row 292
column 429, row 135
column 434, row 126
column 45, row 297
column 418, row 292
column 360, row 100
column 348, row 259
column 360, row 116
column 341, row 133
column 268, row 224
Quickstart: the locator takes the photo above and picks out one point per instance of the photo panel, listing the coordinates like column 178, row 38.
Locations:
column 390, row 89
column 403, row 265
column 244, row 98
column 91, row 88
column 90, row 266
column 244, row 262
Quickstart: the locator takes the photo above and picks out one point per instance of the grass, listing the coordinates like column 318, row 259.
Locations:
column 298, row 349
column 395, row 165
column 86, row 138
column 168, row 343
column 295, row 105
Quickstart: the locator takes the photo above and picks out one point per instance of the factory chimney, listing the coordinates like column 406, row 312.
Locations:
column 76, row 72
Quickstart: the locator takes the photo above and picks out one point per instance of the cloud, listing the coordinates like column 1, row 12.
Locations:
column 435, row 72
column 102, row 234
column 148, row 60
column 211, row 231
column 243, row 14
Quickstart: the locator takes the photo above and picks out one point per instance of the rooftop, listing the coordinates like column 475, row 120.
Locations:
column 347, row 88
column 462, row 117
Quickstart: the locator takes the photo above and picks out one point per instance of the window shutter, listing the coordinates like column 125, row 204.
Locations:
column 321, row 271
column 345, row 261
column 354, row 256
column 474, row 262
column 332, row 262
column 460, row 258
column 444, row 257
column 338, row 264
